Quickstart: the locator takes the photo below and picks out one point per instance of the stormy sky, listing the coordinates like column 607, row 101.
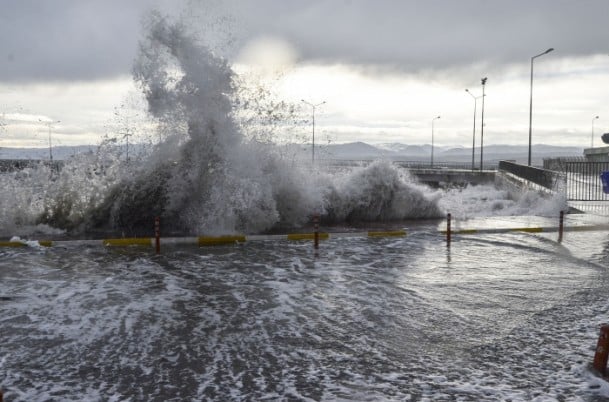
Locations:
column 385, row 68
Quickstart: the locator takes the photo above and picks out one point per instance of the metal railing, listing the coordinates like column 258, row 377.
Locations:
column 584, row 181
column 546, row 178
column 559, row 164
column 443, row 165
column 411, row 164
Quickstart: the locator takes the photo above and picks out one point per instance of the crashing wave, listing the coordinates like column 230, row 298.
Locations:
column 207, row 176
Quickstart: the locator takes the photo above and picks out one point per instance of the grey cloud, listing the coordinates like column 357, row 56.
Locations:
column 73, row 39
column 433, row 33
column 68, row 39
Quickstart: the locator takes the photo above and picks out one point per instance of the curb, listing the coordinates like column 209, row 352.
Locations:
column 204, row 241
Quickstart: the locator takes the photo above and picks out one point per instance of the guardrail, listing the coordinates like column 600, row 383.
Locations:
column 546, row 178
column 420, row 164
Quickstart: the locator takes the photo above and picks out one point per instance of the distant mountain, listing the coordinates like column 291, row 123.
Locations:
column 405, row 149
column 354, row 150
column 59, row 152
column 397, row 151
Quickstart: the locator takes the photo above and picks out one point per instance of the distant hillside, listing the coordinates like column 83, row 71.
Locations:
column 355, row 151
column 397, row 151
column 59, row 153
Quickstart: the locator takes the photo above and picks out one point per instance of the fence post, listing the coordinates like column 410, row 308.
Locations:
column 602, row 350
column 316, row 230
column 561, row 225
column 157, row 234
column 448, row 218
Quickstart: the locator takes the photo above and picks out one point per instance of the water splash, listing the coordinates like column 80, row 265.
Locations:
column 379, row 192
column 207, row 176
column 488, row 200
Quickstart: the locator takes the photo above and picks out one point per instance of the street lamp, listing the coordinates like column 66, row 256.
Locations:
column 474, row 132
column 531, row 102
column 48, row 123
column 313, row 145
column 592, row 140
column 127, row 135
column 483, row 81
column 432, row 121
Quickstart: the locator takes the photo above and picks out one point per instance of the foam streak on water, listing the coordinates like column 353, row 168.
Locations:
column 366, row 320
column 496, row 317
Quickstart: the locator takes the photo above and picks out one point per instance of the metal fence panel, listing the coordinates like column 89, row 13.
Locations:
column 584, row 181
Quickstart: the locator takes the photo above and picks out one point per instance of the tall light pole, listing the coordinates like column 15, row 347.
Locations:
column 127, row 135
column 313, row 106
column 592, row 139
column 483, row 81
column 48, row 123
column 432, row 121
column 474, row 132
column 531, row 102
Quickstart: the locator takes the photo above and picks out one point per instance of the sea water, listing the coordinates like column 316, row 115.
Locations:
column 494, row 317
column 505, row 316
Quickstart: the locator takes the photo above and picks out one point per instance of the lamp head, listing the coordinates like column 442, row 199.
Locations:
column 549, row 50
column 483, row 80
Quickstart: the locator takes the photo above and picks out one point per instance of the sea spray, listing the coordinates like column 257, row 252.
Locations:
column 489, row 200
column 205, row 175
column 379, row 192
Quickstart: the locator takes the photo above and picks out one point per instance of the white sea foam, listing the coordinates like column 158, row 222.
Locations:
column 383, row 319
column 209, row 173
column 216, row 169
column 489, row 200
column 492, row 318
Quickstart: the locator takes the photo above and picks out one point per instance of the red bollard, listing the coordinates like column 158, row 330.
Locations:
column 602, row 351
column 157, row 234
column 316, row 231
column 448, row 217
column 561, row 226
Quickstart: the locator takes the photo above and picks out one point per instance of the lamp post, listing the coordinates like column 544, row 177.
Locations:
column 531, row 102
column 48, row 123
column 474, row 132
column 127, row 135
column 483, row 81
column 592, row 139
column 313, row 106
column 432, row 121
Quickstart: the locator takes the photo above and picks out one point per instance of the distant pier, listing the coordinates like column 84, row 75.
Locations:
column 12, row 165
column 443, row 176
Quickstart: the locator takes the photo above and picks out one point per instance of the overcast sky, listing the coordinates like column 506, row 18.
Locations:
column 384, row 68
